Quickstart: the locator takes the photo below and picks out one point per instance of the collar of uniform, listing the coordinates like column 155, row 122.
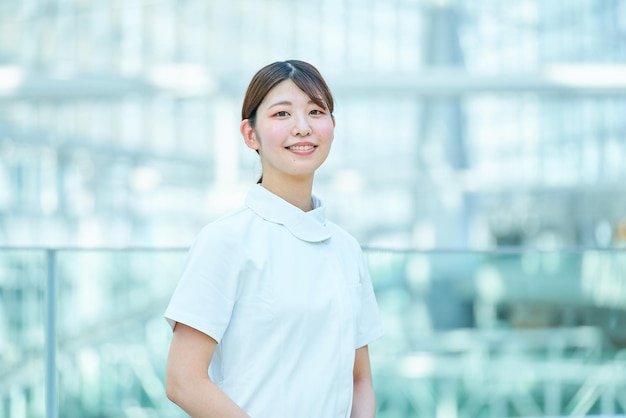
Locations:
column 307, row 226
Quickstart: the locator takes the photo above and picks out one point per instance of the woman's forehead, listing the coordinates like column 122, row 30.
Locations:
column 287, row 92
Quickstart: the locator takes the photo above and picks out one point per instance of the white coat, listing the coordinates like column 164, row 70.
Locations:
column 287, row 296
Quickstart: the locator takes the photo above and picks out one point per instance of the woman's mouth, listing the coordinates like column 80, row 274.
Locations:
column 301, row 147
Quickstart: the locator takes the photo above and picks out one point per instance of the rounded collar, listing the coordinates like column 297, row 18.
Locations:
column 307, row 226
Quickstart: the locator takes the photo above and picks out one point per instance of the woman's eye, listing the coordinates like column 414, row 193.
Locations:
column 317, row 112
column 282, row 114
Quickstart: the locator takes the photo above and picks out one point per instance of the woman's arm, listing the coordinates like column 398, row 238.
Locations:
column 364, row 401
column 186, row 378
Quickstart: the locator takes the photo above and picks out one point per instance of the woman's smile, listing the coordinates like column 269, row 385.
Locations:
column 302, row 148
column 292, row 133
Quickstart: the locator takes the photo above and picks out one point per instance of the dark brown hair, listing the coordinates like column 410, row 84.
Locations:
column 303, row 74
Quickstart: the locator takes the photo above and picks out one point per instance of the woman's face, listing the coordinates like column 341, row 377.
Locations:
column 292, row 134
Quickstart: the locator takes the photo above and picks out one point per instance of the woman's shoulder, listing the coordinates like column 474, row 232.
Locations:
column 344, row 237
column 228, row 227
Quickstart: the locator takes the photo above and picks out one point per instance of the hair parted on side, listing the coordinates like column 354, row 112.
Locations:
column 303, row 74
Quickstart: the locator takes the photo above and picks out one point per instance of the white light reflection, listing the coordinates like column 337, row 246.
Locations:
column 186, row 79
column 590, row 76
column 11, row 78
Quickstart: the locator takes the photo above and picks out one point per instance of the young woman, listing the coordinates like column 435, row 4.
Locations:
column 275, row 300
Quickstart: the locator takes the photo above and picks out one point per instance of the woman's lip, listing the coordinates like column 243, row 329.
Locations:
column 301, row 144
column 302, row 147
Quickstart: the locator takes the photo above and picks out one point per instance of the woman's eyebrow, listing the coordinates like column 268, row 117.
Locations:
column 288, row 103
column 281, row 103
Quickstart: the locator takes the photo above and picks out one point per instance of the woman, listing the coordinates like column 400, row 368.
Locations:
column 274, row 299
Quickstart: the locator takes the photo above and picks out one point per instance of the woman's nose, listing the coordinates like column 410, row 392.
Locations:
column 301, row 127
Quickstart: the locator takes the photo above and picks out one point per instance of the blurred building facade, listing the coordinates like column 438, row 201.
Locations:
column 460, row 123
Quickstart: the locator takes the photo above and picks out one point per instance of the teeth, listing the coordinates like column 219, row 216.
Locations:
column 301, row 147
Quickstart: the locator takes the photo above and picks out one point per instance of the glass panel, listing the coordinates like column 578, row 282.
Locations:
column 469, row 334
column 113, row 340
column 500, row 334
column 22, row 333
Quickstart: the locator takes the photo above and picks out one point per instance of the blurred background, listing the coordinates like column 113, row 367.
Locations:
column 460, row 124
column 479, row 158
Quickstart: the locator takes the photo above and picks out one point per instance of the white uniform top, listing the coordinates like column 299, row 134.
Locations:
column 288, row 297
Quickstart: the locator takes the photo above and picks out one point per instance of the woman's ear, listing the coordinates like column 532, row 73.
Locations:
column 249, row 136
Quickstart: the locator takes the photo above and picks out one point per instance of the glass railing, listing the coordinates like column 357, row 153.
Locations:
column 468, row 334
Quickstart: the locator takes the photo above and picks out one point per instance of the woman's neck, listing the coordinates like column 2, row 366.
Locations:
column 298, row 193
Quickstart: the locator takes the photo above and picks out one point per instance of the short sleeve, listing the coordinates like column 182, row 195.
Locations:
column 207, row 290
column 370, row 326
